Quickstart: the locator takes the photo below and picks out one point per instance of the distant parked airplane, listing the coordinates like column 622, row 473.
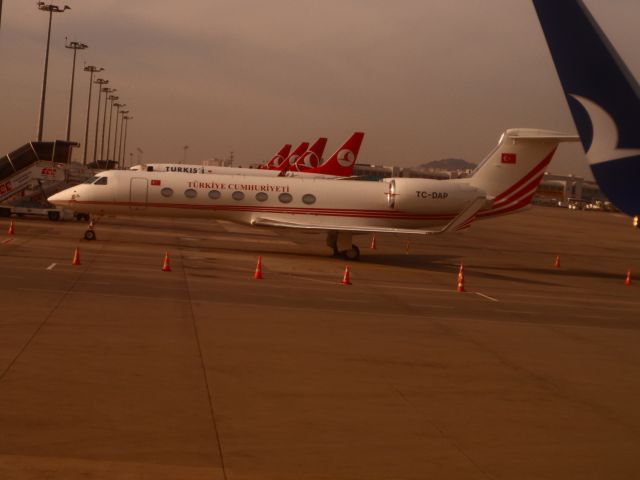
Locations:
column 338, row 165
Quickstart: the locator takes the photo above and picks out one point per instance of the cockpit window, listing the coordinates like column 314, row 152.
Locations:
column 101, row 181
column 91, row 180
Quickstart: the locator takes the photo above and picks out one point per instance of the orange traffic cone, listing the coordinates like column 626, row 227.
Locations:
column 257, row 275
column 11, row 230
column 461, row 279
column 76, row 257
column 627, row 280
column 346, row 279
column 373, row 243
column 557, row 262
column 166, row 265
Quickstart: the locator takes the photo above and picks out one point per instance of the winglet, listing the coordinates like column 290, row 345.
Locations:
column 603, row 96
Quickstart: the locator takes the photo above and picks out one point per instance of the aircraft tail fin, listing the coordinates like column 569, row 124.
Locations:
column 292, row 158
column 603, row 96
column 312, row 157
column 511, row 173
column 341, row 163
column 279, row 157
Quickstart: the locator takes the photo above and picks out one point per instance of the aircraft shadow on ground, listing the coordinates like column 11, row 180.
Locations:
column 449, row 264
column 560, row 272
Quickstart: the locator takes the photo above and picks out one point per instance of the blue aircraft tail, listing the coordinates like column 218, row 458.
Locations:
column 603, row 96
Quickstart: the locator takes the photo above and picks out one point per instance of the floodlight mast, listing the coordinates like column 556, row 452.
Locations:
column 124, row 148
column 75, row 46
column 115, row 135
column 100, row 82
column 107, row 92
column 51, row 8
column 122, row 122
column 91, row 69
column 112, row 98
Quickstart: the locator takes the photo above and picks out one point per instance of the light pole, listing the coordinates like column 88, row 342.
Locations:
column 184, row 156
column 51, row 8
column 113, row 98
column 75, row 46
column 126, row 130
column 107, row 91
column 120, row 155
column 100, row 82
column 115, row 135
column 91, row 69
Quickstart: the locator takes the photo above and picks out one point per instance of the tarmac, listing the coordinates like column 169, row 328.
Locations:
column 113, row 369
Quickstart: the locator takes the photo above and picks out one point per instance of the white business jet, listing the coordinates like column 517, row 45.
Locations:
column 503, row 183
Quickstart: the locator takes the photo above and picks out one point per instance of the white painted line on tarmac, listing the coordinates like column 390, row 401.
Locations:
column 445, row 307
column 345, row 300
column 7, row 241
column 517, row 312
column 52, row 266
column 420, row 289
column 487, row 297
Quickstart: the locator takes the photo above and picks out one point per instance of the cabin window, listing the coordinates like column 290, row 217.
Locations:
column 101, row 181
column 166, row 192
column 90, row 180
column 262, row 197
column 214, row 194
column 309, row 199
column 190, row 193
column 285, row 197
column 237, row 195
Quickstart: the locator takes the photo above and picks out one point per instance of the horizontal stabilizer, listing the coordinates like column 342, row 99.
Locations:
column 533, row 134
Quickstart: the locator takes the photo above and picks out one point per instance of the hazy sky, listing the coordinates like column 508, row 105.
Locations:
column 425, row 79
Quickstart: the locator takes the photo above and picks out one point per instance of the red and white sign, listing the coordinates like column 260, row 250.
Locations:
column 508, row 158
column 155, row 182
column 5, row 187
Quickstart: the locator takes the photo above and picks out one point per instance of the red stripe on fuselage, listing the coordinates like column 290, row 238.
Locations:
column 391, row 214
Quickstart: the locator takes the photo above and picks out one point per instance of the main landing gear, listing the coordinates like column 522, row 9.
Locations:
column 342, row 245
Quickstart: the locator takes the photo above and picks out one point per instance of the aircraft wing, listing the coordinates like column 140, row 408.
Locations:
column 463, row 220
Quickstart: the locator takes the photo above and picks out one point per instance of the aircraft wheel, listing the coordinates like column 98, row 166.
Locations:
column 352, row 254
column 89, row 235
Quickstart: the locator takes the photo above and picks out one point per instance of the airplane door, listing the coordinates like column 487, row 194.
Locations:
column 139, row 193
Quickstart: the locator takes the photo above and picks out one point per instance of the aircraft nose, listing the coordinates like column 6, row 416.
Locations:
column 62, row 198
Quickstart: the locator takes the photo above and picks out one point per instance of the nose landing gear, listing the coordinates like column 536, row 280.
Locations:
column 90, row 233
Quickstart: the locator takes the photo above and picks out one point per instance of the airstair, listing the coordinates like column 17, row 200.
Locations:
column 36, row 170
